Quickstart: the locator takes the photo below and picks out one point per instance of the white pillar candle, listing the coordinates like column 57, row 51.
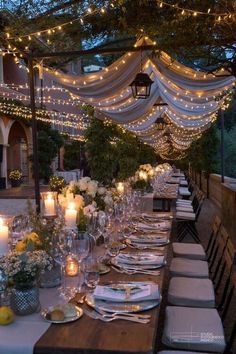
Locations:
column 120, row 188
column 4, row 232
column 49, row 206
column 70, row 216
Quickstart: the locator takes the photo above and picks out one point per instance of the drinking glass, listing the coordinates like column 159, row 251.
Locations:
column 91, row 272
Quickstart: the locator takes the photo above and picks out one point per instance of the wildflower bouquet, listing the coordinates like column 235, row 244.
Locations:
column 24, row 268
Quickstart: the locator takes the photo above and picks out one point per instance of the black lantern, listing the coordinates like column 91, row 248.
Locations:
column 160, row 123
column 141, row 86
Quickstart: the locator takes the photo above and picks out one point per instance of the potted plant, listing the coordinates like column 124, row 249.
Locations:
column 15, row 177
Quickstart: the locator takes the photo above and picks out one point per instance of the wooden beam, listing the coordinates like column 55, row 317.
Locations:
column 96, row 50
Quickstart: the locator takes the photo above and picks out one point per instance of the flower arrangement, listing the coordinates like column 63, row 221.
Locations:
column 57, row 183
column 15, row 175
column 24, row 268
column 88, row 198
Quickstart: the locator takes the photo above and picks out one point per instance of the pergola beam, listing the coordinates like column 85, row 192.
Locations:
column 96, row 50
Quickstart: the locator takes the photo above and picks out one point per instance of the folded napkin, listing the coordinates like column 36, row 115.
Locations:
column 153, row 226
column 153, row 239
column 140, row 258
column 127, row 292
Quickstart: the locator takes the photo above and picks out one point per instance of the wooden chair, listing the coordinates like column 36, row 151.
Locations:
column 196, row 251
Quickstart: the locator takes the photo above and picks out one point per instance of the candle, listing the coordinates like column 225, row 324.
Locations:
column 72, row 266
column 4, row 231
column 49, row 206
column 70, row 216
column 120, row 188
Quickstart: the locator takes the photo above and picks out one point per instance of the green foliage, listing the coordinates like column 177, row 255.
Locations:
column 57, row 183
column 113, row 152
column 202, row 154
column 72, row 155
column 140, row 184
column 102, row 157
column 49, row 142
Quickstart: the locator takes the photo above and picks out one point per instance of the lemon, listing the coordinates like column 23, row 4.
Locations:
column 6, row 315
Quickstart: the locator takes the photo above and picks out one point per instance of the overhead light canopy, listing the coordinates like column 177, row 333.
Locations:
column 141, row 86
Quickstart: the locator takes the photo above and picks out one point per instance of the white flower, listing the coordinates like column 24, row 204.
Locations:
column 102, row 190
column 79, row 201
column 108, row 200
column 92, row 188
column 83, row 183
column 89, row 210
column 62, row 200
column 71, row 185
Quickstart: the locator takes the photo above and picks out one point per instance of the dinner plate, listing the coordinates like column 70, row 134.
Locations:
column 45, row 315
column 122, row 307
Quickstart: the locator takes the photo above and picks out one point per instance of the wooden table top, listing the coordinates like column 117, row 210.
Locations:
column 90, row 336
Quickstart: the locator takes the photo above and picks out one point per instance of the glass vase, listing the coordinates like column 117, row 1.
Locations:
column 24, row 300
column 51, row 278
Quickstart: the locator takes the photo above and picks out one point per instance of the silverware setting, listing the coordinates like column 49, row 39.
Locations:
column 131, row 270
column 108, row 317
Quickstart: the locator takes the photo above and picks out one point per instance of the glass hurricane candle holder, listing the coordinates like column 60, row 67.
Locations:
column 72, row 266
column 49, row 204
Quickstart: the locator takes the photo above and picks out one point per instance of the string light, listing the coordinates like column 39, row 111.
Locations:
column 195, row 12
column 53, row 29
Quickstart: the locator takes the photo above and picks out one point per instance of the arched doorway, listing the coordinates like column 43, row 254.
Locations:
column 17, row 152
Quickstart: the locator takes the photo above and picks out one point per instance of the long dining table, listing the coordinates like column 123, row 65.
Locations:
column 91, row 336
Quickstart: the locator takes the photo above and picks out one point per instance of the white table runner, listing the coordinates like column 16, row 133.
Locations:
column 20, row 337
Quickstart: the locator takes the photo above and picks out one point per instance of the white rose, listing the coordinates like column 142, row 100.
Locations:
column 83, row 184
column 92, row 188
column 79, row 201
column 108, row 200
column 101, row 190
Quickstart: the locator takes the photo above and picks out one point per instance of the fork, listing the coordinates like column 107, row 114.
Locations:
column 107, row 318
column 135, row 271
column 127, row 314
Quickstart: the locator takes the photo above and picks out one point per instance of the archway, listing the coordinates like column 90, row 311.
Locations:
column 18, row 151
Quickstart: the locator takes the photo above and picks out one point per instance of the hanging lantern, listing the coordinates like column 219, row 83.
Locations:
column 141, row 86
column 160, row 123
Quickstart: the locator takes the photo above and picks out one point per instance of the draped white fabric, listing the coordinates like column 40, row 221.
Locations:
column 190, row 96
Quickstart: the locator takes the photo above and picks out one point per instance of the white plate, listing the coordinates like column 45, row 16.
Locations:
column 122, row 307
